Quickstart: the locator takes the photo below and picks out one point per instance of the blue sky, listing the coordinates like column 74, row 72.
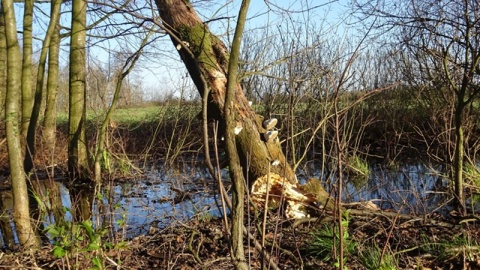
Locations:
column 161, row 73
column 261, row 14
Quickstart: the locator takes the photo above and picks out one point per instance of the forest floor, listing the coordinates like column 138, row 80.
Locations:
column 399, row 242
column 374, row 240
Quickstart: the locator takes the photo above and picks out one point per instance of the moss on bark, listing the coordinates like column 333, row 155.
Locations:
column 197, row 38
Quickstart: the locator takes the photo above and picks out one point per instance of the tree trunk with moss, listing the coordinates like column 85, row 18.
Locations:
column 206, row 58
column 459, row 152
column 78, row 163
column 21, row 212
column 261, row 160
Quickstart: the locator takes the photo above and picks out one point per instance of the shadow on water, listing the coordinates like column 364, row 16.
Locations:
column 168, row 197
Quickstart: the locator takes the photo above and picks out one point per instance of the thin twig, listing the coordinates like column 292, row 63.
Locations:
column 390, row 234
column 264, row 225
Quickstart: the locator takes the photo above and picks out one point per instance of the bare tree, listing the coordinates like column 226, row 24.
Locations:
column 252, row 143
column 50, row 115
column 35, row 112
column 120, row 76
column 78, row 158
column 446, row 34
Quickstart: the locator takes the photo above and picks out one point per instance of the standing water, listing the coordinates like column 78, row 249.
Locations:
column 168, row 197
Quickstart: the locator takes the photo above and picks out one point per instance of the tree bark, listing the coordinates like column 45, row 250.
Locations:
column 50, row 115
column 206, row 59
column 78, row 163
column 27, row 90
column 35, row 114
column 21, row 212
column 230, row 112
column 3, row 65
column 459, row 153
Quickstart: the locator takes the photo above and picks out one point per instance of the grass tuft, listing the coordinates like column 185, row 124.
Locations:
column 324, row 239
column 372, row 259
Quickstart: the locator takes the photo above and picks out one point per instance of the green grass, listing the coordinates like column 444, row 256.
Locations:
column 358, row 171
column 137, row 115
column 472, row 173
column 128, row 115
column 372, row 259
column 323, row 240
column 463, row 245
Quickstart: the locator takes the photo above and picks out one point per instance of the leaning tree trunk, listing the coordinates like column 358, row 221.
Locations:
column 261, row 157
column 206, row 58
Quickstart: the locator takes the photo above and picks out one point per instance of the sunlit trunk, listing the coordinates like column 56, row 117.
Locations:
column 21, row 212
column 3, row 65
column 230, row 112
column 206, row 58
column 458, row 157
column 49, row 124
column 32, row 127
column 78, row 163
column 27, row 90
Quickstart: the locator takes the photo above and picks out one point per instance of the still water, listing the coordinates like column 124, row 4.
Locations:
column 167, row 197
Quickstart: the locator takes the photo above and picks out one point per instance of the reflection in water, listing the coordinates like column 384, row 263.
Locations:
column 6, row 223
column 81, row 201
column 410, row 188
column 166, row 198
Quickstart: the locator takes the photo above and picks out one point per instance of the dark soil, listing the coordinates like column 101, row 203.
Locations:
column 415, row 243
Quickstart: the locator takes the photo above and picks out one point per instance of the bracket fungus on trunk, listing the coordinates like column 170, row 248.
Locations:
column 273, row 190
column 206, row 59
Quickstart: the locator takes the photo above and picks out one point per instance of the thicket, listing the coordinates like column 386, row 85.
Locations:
column 398, row 124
